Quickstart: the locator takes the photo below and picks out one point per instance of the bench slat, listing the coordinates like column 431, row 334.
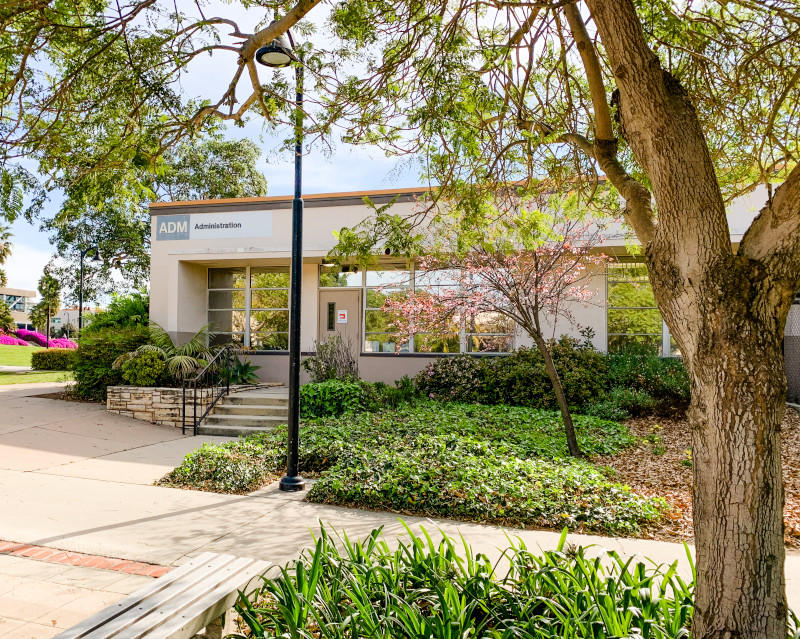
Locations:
column 206, row 561
column 157, row 613
column 213, row 604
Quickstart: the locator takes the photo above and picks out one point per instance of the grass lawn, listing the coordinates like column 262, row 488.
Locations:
column 17, row 355
column 31, row 378
column 494, row 464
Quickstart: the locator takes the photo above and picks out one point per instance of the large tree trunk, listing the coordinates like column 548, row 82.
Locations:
column 738, row 394
column 561, row 398
column 727, row 311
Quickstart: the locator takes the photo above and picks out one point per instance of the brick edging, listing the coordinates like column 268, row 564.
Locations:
column 56, row 556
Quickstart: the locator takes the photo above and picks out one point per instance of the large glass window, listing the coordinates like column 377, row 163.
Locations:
column 483, row 333
column 379, row 335
column 633, row 317
column 250, row 306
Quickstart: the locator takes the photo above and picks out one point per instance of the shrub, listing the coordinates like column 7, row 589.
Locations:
column 622, row 403
column 124, row 311
column 10, row 340
column 95, row 356
column 62, row 342
column 380, row 396
column 519, row 379
column 331, row 398
column 334, row 360
column 32, row 336
column 418, row 587
column 665, row 379
column 181, row 361
column 53, row 359
column 144, row 369
column 458, row 379
column 242, row 372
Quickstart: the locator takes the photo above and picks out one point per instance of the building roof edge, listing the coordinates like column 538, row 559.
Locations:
column 288, row 198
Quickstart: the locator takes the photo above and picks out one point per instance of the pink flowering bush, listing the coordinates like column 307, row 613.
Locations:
column 41, row 340
column 62, row 342
column 32, row 336
column 10, row 340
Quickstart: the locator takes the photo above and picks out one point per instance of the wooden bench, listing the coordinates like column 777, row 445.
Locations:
column 178, row 605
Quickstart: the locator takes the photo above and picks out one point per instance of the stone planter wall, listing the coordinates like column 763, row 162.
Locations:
column 160, row 405
column 154, row 404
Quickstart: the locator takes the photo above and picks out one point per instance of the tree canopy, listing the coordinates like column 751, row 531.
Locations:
column 110, row 211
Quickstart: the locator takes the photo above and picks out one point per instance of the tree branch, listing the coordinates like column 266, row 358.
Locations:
column 594, row 74
column 774, row 236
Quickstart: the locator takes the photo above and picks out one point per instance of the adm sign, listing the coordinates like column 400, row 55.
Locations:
column 207, row 226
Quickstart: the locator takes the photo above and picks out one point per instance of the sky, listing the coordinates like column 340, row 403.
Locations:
column 348, row 169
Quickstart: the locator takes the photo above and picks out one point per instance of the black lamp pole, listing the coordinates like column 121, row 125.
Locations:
column 279, row 54
column 80, row 289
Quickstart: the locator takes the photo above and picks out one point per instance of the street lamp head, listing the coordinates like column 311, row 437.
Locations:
column 276, row 54
column 97, row 257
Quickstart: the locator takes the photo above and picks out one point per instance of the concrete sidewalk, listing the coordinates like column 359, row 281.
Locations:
column 77, row 478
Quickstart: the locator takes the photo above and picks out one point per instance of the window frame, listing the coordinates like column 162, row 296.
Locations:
column 410, row 346
column 248, row 310
column 663, row 338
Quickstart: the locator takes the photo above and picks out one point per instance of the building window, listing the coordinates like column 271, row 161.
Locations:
column 633, row 317
column 15, row 302
column 378, row 334
column 250, row 306
column 485, row 333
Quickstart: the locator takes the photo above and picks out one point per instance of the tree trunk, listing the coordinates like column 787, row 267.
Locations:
column 727, row 311
column 561, row 398
column 733, row 354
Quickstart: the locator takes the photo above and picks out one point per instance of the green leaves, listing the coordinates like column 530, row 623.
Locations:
column 424, row 589
column 495, row 464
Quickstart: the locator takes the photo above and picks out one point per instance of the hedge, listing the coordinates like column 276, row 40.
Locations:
column 95, row 356
column 53, row 359
column 617, row 386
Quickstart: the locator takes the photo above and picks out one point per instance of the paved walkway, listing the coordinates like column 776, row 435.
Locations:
column 76, row 478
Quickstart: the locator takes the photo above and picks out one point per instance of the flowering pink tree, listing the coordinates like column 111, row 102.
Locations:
column 526, row 270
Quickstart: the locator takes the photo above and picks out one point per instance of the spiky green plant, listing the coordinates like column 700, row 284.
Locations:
column 179, row 361
column 424, row 589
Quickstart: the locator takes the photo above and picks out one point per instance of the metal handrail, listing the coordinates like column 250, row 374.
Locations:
column 214, row 379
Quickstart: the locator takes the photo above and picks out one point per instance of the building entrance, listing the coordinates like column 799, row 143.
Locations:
column 340, row 314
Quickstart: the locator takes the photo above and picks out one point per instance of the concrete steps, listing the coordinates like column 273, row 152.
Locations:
column 247, row 412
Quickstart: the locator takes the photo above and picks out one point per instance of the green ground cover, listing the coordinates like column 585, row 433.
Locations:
column 17, row 355
column 498, row 464
column 31, row 378
column 424, row 588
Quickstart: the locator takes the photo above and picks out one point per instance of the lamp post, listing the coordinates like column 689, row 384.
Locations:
column 66, row 315
column 278, row 54
column 96, row 258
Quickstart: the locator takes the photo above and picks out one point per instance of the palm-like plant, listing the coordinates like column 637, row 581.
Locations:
column 5, row 250
column 7, row 324
column 180, row 361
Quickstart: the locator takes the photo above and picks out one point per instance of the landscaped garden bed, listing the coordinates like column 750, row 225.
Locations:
column 498, row 464
column 660, row 464
column 420, row 587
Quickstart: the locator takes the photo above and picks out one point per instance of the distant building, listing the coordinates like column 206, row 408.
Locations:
column 20, row 302
column 69, row 317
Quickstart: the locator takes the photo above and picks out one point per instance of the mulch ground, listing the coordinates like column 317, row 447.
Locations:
column 659, row 466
